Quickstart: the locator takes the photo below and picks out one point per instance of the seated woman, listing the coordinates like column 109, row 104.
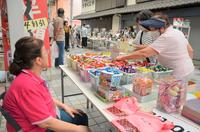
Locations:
column 28, row 99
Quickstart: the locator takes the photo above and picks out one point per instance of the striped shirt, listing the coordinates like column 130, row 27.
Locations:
column 146, row 38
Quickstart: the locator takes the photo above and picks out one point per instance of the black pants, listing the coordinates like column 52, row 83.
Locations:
column 78, row 119
column 84, row 41
column 66, row 41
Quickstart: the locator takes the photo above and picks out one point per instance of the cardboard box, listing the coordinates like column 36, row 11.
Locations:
column 191, row 110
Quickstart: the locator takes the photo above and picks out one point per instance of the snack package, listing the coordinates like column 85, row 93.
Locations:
column 142, row 122
column 124, row 107
column 110, row 94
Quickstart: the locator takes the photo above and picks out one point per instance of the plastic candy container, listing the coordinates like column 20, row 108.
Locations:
column 128, row 74
column 74, row 61
column 143, row 84
column 94, row 76
column 85, row 75
column 69, row 61
column 111, row 94
column 110, row 77
column 171, row 95
column 160, row 71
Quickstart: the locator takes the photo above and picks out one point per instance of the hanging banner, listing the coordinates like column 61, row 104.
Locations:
column 35, row 22
column 5, row 36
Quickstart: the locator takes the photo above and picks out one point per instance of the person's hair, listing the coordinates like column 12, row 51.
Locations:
column 143, row 15
column 26, row 50
column 162, row 16
column 131, row 27
column 60, row 12
column 84, row 24
column 65, row 22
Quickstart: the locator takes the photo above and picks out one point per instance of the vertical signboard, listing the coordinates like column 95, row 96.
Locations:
column 35, row 21
column 5, row 36
column 28, row 18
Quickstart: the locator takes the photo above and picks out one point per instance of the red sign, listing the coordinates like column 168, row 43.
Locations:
column 5, row 37
column 35, row 21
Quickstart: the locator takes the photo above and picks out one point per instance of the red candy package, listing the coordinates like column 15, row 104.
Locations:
column 124, row 107
column 142, row 122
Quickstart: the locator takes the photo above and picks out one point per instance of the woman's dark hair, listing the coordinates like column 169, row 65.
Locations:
column 162, row 16
column 143, row 15
column 26, row 50
column 131, row 28
column 65, row 22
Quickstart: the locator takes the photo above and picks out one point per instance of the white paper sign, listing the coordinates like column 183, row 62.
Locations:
column 181, row 124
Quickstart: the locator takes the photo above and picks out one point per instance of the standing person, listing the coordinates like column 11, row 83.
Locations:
column 67, row 35
column 78, row 36
column 130, row 31
column 59, row 36
column 84, row 33
column 51, row 32
column 144, row 37
column 30, row 103
column 72, row 35
column 171, row 47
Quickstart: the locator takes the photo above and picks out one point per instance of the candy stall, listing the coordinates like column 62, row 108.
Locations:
column 123, row 90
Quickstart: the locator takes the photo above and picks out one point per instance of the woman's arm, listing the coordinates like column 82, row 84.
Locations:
column 71, row 111
column 139, row 47
column 190, row 51
column 144, row 53
column 58, row 103
column 61, row 126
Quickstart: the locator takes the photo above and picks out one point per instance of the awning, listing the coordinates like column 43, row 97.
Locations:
column 157, row 4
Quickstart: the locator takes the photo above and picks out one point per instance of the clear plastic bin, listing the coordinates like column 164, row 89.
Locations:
column 110, row 79
column 84, row 74
column 143, row 83
column 171, row 95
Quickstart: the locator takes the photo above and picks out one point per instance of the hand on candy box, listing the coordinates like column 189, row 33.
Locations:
column 115, row 63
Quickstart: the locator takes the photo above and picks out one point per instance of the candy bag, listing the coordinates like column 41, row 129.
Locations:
column 125, row 106
column 142, row 122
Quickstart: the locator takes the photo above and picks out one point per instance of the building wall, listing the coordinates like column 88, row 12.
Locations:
column 109, row 4
column 131, row 2
column 116, row 23
column 65, row 4
column 77, row 7
column 102, row 22
column 88, row 6
column 193, row 14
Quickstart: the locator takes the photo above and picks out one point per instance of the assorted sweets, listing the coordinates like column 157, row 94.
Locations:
column 171, row 95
